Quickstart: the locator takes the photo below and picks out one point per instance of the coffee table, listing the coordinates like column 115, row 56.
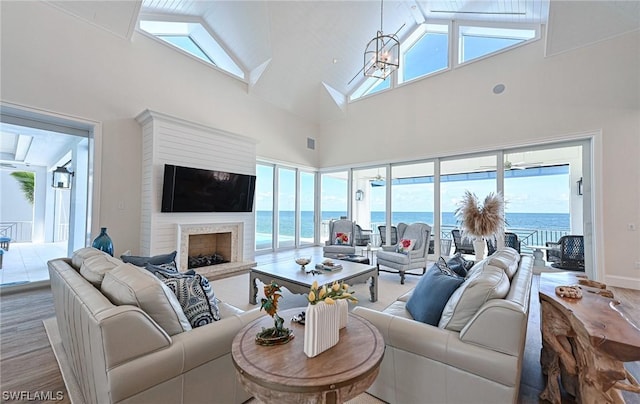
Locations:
column 284, row 374
column 296, row 280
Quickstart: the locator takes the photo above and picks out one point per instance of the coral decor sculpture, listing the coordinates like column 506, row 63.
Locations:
column 277, row 334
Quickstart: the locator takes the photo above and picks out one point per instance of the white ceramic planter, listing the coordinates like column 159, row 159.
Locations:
column 343, row 311
column 322, row 325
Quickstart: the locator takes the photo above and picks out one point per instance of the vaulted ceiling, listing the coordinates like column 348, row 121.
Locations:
column 302, row 55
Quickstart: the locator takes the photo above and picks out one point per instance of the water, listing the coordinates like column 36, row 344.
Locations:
column 545, row 221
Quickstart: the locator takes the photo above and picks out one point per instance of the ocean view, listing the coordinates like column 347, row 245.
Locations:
column 545, row 221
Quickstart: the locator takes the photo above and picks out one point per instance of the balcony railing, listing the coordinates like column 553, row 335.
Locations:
column 16, row 231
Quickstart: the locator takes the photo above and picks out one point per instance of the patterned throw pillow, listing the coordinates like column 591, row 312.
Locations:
column 444, row 268
column 163, row 274
column 459, row 264
column 342, row 238
column 192, row 298
column 405, row 245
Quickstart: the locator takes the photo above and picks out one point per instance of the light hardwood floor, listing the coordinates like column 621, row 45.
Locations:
column 27, row 363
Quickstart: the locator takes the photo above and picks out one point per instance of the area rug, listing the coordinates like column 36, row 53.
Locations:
column 51, row 327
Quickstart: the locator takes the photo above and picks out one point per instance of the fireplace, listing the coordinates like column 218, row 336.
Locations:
column 214, row 248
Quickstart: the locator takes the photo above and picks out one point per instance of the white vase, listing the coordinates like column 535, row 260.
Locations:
column 343, row 312
column 479, row 246
column 321, row 330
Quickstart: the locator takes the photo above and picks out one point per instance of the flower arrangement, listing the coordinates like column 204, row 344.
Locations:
column 330, row 293
column 276, row 334
column 481, row 221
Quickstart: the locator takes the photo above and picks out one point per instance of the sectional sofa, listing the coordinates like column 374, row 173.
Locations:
column 127, row 339
column 474, row 353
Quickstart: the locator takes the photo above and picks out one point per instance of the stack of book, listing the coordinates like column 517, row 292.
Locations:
column 327, row 267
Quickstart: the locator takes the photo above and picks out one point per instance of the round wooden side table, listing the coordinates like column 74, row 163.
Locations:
column 283, row 373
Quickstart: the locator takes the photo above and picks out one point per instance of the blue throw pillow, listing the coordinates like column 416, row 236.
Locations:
column 459, row 265
column 431, row 295
column 155, row 260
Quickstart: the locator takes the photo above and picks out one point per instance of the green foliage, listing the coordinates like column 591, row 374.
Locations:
column 27, row 183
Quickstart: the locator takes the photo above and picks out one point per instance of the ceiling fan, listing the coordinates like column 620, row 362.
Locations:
column 521, row 165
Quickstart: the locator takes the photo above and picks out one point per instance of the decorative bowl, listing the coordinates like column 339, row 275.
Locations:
column 302, row 261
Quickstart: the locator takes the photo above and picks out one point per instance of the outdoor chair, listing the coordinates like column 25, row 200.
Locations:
column 400, row 262
column 567, row 253
column 342, row 234
column 362, row 236
column 510, row 240
column 383, row 235
column 463, row 246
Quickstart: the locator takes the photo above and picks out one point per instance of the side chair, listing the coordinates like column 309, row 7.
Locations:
column 401, row 262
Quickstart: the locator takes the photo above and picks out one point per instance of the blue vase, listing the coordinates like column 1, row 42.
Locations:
column 103, row 242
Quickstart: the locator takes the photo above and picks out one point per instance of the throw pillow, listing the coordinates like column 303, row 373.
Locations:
column 192, row 298
column 405, row 245
column 442, row 266
column 342, row 238
column 431, row 294
column 459, row 265
column 155, row 260
column 164, row 274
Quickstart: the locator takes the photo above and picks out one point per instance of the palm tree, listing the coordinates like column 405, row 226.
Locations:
column 27, row 183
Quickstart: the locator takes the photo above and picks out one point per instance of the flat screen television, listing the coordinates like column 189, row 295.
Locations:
column 188, row 189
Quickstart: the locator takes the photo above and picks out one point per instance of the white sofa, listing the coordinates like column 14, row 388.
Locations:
column 139, row 352
column 479, row 363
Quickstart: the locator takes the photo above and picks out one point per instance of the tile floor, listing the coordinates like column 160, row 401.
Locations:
column 27, row 262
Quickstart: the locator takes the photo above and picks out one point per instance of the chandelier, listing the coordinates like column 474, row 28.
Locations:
column 382, row 54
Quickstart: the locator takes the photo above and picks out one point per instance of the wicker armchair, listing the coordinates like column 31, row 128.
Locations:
column 462, row 246
column 362, row 236
column 383, row 235
column 510, row 240
column 567, row 253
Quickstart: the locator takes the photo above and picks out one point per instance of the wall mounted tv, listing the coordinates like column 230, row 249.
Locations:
column 196, row 190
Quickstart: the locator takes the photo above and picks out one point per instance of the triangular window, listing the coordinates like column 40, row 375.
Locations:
column 196, row 40
column 476, row 42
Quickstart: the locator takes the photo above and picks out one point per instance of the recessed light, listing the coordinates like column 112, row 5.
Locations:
column 498, row 89
column 335, row 61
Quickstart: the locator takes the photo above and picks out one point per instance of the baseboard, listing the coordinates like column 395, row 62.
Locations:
column 622, row 282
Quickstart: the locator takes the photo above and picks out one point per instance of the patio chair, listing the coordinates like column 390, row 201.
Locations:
column 510, row 240
column 567, row 253
column 362, row 236
column 463, row 246
column 401, row 262
column 383, row 235
column 342, row 234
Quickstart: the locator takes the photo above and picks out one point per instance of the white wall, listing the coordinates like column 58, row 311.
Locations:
column 591, row 89
column 55, row 62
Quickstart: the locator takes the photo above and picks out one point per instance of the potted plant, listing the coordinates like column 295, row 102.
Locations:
column 481, row 221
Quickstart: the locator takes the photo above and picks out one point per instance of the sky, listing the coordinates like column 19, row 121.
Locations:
column 542, row 194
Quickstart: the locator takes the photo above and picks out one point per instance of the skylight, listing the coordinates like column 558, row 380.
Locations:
column 195, row 39
column 427, row 50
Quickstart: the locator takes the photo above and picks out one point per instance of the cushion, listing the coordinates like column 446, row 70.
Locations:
column 155, row 260
column 506, row 258
column 443, row 267
column 489, row 282
column 431, row 295
column 82, row 254
column 459, row 264
column 94, row 267
column 128, row 284
column 192, row 298
column 342, row 238
column 163, row 274
column 405, row 245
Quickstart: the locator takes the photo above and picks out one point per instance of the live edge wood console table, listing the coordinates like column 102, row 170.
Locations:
column 586, row 341
column 284, row 374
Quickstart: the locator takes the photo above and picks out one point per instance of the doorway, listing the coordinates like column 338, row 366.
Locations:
column 43, row 219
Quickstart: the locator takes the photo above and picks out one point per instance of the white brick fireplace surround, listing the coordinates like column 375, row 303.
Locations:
column 170, row 140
